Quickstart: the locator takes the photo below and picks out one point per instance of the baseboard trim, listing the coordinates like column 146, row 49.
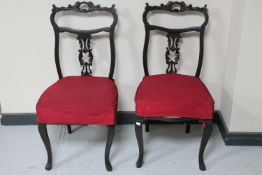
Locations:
column 129, row 117
column 9, row 119
column 13, row 119
column 237, row 138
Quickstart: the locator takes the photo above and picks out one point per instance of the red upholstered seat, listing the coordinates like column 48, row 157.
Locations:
column 79, row 100
column 173, row 95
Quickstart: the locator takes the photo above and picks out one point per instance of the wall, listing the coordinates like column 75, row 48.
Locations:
column 232, row 58
column 247, row 102
column 27, row 62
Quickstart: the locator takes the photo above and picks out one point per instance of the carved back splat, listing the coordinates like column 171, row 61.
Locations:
column 84, row 37
column 174, row 35
column 172, row 52
column 85, row 54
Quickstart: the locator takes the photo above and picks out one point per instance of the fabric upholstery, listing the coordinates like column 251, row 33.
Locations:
column 79, row 100
column 173, row 95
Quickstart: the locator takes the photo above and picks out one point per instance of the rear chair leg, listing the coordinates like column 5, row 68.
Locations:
column 110, row 138
column 139, row 137
column 43, row 133
column 69, row 129
column 206, row 135
column 146, row 125
column 188, row 124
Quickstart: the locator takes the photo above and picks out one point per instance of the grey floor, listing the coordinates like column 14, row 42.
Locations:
column 168, row 150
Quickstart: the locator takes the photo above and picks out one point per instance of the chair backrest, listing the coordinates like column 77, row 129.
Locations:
column 174, row 35
column 84, row 36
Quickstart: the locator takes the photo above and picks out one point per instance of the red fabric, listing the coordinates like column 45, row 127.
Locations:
column 173, row 95
column 79, row 100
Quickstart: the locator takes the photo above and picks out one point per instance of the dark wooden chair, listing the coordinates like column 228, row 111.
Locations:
column 81, row 100
column 173, row 94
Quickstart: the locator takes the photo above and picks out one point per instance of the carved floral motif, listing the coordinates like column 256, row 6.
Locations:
column 172, row 52
column 85, row 54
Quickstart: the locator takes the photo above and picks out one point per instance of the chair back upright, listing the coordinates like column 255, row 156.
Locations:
column 84, row 36
column 174, row 35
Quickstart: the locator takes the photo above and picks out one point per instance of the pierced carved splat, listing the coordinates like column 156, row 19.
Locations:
column 85, row 54
column 172, row 52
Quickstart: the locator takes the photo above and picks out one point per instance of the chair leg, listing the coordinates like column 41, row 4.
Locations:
column 206, row 135
column 146, row 126
column 110, row 137
column 43, row 133
column 139, row 137
column 188, row 124
column 69, row 129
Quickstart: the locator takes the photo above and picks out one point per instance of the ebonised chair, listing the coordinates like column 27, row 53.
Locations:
column 85, row 99
column 173, row 94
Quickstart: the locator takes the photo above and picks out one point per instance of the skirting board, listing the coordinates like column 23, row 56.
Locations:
column 237, row 138
column 128, row 117
column 9, row 119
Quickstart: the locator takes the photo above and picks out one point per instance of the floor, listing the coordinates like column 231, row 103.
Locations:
column 168, row 150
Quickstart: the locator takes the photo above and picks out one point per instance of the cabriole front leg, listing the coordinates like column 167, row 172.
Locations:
column 43, row 133
column 206, row 135
column 139, row 137
column 110, row 138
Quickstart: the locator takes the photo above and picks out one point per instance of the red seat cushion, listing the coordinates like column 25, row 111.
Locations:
column 173, row 95
column 79, row 100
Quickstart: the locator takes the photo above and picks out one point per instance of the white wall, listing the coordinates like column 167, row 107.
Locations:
column 247, row 106
column 232, row 57
column 26, row 50
column 231, row 68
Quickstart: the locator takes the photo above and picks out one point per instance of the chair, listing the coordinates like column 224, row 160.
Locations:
column 173, row 94
column 85, row 99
